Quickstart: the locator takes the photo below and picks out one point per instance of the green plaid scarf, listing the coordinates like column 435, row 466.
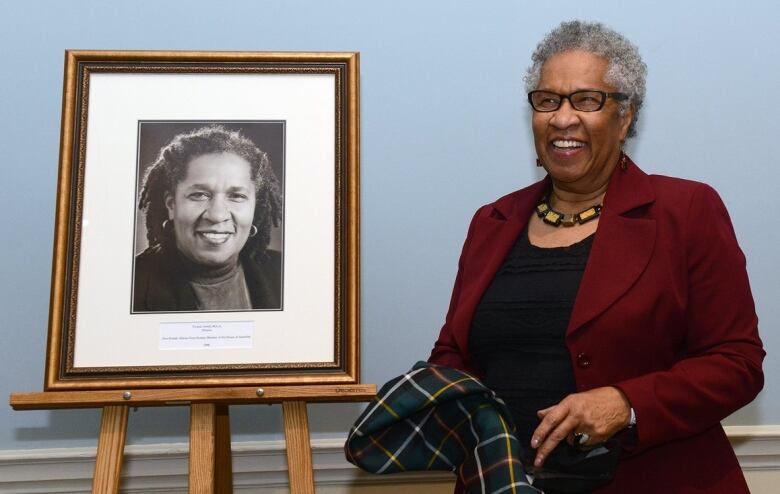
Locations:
column 438, row 418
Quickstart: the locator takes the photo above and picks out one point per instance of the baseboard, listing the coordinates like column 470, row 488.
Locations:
column 262, row 466
column 757, row 447
column 162, row 468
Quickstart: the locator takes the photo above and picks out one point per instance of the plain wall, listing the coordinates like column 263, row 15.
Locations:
column 445, row 128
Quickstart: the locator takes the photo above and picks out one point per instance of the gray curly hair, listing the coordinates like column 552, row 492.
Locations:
column 626, row 70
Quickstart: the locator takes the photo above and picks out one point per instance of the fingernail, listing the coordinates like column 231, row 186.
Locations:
column 538, row 461
column 535, row 442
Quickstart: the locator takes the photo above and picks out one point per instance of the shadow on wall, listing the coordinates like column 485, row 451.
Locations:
column 63, row 424
column 171, row 424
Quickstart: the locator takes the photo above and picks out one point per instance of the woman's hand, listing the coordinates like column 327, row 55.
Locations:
column 600, row 413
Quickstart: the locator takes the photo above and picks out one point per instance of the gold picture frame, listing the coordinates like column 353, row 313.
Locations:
column 98, row 337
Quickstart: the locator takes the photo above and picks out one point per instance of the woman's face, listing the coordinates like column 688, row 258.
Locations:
column 579, row 149
column 212, row 209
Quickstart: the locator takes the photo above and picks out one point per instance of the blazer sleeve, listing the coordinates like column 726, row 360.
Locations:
column 446, row 351
column 719, row 369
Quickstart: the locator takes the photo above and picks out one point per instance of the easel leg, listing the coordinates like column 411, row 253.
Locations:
column 296, row 434
column 202, row 435
column 223, row 476
column 111, row 446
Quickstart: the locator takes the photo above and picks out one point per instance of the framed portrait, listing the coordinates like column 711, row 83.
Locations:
column 207, row 221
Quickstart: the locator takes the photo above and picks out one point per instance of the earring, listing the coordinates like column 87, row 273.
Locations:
column 252, row 231
column 166, row 223
column 538, row 162
column 623, row 164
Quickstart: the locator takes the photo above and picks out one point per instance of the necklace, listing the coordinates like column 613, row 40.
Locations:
column 556, row 218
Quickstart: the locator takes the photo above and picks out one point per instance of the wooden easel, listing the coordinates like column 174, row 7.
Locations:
column 210, row 467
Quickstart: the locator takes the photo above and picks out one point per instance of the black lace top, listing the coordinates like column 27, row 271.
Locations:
column 517, row 334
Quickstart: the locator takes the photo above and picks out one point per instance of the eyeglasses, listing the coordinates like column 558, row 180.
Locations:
column 587, row 100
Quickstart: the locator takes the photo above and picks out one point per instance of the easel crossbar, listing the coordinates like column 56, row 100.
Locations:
column 166, row 397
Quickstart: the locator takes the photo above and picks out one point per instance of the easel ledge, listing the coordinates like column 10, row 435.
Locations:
column 210, row 469
column 335, row 393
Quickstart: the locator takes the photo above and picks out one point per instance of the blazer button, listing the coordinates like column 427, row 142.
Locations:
column 583, row 361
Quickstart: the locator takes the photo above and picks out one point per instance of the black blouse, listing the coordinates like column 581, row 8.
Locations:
column 517, row 336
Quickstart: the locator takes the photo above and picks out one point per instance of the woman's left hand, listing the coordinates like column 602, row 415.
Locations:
column 600, row 413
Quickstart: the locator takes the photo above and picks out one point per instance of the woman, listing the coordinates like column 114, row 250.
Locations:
column 603, row 303
column 210, row 201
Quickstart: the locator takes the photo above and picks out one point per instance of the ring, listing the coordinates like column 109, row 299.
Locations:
column 581, row 438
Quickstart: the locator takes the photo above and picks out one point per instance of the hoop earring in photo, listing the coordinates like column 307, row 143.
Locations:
column 253, row 231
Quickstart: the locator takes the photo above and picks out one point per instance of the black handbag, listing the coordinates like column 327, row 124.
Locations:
column 572, row 469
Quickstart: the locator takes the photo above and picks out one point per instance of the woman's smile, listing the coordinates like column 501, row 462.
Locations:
column 215, row 238
column 566, row 147
column 570, row 144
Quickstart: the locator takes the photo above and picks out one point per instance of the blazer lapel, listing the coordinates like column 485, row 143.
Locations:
column 493, row 235
column 621, row 249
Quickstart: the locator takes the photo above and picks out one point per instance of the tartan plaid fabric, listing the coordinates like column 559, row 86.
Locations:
column 438, row 418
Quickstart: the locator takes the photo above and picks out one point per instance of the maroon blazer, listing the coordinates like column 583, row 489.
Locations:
column 664, row 312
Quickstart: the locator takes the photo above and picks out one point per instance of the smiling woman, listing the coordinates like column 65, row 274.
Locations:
column 210, row 201
column 610, row 309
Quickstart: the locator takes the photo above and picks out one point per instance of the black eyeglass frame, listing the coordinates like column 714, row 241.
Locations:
column 604, row 95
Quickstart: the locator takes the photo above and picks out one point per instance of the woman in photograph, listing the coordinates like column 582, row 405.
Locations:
column 209, row 201
column 601, row 303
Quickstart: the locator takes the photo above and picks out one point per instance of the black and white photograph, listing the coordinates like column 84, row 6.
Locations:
column 210, row 216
